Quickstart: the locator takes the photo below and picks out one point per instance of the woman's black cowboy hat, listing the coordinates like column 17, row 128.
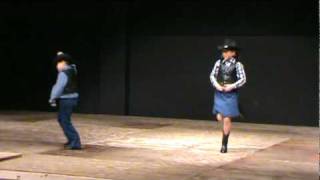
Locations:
column 61, row 56
column 229, row 44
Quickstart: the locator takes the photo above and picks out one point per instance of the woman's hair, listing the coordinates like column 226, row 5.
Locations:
column 237, row 54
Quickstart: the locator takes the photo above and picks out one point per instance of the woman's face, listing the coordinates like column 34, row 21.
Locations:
column 228, row 54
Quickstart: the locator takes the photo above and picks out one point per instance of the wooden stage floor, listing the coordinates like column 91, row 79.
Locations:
column 142, row 148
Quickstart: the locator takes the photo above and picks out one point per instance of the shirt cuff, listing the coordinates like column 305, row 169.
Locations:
column 235, row 85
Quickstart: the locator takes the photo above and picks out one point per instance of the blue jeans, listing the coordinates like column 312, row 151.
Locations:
column 66, row 107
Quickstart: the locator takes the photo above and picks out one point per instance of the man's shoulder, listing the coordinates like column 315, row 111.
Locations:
column 69, row 71
column 62, row 74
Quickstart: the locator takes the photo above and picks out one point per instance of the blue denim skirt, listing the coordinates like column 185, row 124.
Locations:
column 226, row 103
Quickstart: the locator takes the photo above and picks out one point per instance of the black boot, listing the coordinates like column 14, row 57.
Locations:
column 66, row 144
column 224, row 148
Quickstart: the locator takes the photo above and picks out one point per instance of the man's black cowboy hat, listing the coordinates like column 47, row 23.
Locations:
column 229, row 44
column 61, row 56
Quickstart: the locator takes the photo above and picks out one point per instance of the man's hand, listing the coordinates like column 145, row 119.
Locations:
column 52, row 103
column 228, row 87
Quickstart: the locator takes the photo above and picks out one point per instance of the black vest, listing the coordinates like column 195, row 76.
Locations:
column 227, row 74
column 71, row 86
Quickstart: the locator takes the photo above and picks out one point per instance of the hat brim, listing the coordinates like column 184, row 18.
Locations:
column 63, row 57
column 229, row 48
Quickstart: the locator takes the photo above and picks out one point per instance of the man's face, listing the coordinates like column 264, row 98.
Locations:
column 61, row 65
column 227, row 54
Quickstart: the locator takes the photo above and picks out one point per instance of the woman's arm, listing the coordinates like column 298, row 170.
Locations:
column 213, row 76
column 241, row 75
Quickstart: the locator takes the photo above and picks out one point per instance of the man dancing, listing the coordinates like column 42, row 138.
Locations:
column 64, row 95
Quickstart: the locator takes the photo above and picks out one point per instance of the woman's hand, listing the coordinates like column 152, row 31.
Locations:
column 228, row 87
column 219, row 87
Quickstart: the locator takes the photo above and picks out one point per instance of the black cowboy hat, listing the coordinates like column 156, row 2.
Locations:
column 229, row 44
column 61, row 56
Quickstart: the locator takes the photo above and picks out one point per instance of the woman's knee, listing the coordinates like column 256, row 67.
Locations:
column 227, row 120
column 219, row 117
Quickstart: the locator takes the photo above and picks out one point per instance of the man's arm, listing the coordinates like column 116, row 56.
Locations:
column 58, row 88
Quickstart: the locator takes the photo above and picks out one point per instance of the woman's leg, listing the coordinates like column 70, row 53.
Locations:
column 225, row 134
column 227, row 125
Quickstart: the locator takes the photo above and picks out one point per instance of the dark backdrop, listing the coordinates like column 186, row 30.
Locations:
column 154, row 59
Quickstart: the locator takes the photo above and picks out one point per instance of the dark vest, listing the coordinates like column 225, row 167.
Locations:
column 227, row 74
column 71, row 86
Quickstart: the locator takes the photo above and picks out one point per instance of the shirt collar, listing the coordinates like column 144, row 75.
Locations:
column 66, row 68
column 232, row 60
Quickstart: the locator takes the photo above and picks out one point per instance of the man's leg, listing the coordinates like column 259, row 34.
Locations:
column 61, row 117
column 70, row 131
